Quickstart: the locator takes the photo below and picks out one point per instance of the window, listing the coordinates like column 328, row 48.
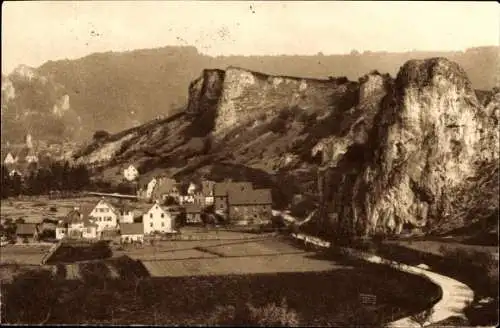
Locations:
column 163, row 224
column 151, row 215
column 162, row 215
column 151, row 224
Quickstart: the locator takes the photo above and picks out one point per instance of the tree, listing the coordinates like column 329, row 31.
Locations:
column 100, row 135
column 422, row 318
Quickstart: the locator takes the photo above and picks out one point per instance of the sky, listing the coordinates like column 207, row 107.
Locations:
column 34, row 32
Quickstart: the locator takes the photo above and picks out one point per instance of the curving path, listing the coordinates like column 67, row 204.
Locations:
column 456, row 295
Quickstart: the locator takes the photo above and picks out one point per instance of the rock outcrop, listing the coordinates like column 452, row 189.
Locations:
column 429, row 135
column 238, row 96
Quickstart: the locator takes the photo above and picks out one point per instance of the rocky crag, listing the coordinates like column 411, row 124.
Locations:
column 429, row 139
column 377, row 153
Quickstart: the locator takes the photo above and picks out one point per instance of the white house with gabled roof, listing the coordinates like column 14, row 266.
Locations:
column 158, row 219
column 105, row 215
column 10, row 159
column 131, row 173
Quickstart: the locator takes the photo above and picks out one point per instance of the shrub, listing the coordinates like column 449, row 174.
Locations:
column 270, row 315
column 278, row 125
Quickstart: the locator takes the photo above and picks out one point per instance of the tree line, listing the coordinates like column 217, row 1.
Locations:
column 55, row 177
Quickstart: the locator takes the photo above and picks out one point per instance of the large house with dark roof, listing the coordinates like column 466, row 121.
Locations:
column 250, row 206
column 221, row 191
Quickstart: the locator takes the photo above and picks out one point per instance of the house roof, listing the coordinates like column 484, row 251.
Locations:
column 250, row 197
column 88, row 223
column 26, row 229
column 131, row 229
column 193, row 208
column 163, row 186
column 22, row 153
column 224, row 188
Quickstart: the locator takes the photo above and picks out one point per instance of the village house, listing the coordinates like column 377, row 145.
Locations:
column 126, row 214
column 193, row 214
column 191, row 189
column 77, row 225
column 250, row 206
column 130, row 173
column 131, row 232
column 165, row 187
column 10, row 159
column 105, row 216
column 14, row 172
column 158, row 219
column 31, row 157
column 26, row 232
column 207, row 190
column 158, row 188
column 221, row 191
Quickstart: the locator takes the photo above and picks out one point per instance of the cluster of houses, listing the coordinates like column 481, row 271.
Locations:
column 238, row 202
column 235, row 202
column 23, row 157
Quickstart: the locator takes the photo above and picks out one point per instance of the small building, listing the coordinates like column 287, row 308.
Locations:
column 191, row 189
column 131, row 173
column 250, row 206
column 10, row 159
column 26, row 232
column 158, row 219
column 31, row 157
column 126, row 214
column 131, row 232
column 193, row 214
column 15, row 172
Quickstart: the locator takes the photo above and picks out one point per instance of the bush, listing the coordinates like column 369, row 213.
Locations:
column 270, row 315
column 278, row 125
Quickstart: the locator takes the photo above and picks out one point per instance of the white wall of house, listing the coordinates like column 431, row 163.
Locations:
column 105, row 216
column 60, row 233
column 151, row 186
column 191, row 189
column 157, row 219
column 130, row 173
column 32, row 159
column 186, row 199
column 127, row 217
column 9, row 159
column 89, row 232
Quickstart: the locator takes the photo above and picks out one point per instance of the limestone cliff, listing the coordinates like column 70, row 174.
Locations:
column 238, row 96
column 430, row 134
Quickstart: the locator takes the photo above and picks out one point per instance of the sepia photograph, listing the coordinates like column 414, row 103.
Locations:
column 250, row 163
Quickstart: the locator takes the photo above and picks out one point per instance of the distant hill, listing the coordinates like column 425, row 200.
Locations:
column 117, row 90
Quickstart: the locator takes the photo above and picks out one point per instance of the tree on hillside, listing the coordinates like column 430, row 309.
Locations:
column 100, row 135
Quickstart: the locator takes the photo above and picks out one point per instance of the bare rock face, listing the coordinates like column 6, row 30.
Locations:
column 429, row 136
column 239, row 96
